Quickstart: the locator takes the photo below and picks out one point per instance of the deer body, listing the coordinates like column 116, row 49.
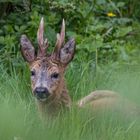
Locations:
column 47, row 74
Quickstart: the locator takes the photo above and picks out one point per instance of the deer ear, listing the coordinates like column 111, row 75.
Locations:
column 27, row 49
column 67, row 52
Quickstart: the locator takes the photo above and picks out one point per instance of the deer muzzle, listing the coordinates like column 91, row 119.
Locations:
column 41, row 93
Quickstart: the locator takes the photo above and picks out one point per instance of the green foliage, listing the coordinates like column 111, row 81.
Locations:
column 103, row 29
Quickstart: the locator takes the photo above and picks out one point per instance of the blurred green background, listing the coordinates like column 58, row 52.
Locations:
column 107, row 57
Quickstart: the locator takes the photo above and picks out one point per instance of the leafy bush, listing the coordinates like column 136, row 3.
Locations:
column 104, row 30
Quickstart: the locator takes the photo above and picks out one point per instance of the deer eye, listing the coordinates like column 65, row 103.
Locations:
column 32, row 73
column 55, row 75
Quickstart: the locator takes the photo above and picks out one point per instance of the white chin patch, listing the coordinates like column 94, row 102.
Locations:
column 42, row 100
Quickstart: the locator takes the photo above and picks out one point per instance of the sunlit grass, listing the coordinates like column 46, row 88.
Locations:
column 19, row 118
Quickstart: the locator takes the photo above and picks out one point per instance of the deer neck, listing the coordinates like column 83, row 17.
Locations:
column 60, row 100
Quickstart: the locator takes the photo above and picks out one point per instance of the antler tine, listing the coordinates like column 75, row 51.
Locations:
column 40, row 33
column 60, row 38
column 43, row 45
column 58, row 42
column 62, row 34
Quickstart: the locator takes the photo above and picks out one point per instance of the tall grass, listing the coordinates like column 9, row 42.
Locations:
column 19, row 118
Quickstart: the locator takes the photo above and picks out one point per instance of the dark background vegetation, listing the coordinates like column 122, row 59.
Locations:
column 105, row 31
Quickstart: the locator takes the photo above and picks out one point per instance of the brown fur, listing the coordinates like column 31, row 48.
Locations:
column 59, row 94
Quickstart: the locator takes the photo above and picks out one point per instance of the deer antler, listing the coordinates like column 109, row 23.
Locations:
column 60, row 40
column 43, row 45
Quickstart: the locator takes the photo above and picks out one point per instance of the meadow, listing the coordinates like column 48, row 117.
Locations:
column 20, row 119
column 107, row 34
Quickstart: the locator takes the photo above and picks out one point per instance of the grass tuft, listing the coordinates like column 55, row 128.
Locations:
column 19, row 118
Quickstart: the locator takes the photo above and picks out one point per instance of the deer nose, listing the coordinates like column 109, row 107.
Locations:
column 41, row 93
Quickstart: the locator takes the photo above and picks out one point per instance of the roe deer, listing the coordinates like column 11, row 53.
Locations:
column 47, row 74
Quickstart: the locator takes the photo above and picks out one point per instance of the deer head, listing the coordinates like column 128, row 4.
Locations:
column 47, row 70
